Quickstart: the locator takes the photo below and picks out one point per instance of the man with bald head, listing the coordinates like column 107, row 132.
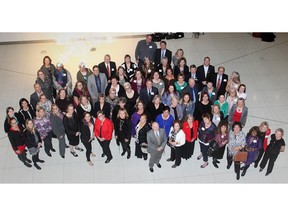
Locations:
column 156, row 139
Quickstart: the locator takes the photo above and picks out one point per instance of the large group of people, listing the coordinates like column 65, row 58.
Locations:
column 156, row 102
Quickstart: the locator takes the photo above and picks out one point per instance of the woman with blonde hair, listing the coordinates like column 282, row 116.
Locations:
column 234, row 81
column 178, row 54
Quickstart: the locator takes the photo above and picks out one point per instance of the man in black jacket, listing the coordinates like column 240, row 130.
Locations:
column 203, row 73
column 108, row 67
column 147, row 94
column 162, row 52
column 219, row 81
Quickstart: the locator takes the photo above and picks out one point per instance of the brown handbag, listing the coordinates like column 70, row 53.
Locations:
column 241, row 156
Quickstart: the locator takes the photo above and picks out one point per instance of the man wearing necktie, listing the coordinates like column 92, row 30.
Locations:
column 108, row 67
column 156, row 139
column 162, row 52
column 219, row 80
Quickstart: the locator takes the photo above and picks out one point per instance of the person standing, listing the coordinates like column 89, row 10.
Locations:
column 190, row 128
column 103, row 130
column 145, row 48
column 16, row 138
column 72, row 129
column 206, row 134
column 161, row 53
column 277, row 145
column 203, row 73
column 96, row 84
column 123, row 131
column 49, row 69
column 11, row 114
column 83, row 73
column 62, row 78
column 35, row 97
column 58, row 129
column 176, row 140
column 156, row 140
column 165, row 120
column 108, row 67
column 147, row 94
column 219, row 81
column 33, row 142
column 87, row 135
column 236, row 143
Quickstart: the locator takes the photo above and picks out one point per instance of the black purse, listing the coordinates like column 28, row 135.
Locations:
column 213, row 147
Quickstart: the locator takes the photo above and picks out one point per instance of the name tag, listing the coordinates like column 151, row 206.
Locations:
column 134, row 66
column 218, row 118
column 254, row 141
column 222, row 136
column 182, row 87
column 150, row 47
column 160, row 83
column 130, row 70
column 152, row 93
column 203, row 129
column 225, row 80
column 149, row 71
column 235, row 100
column 160, row 70
column 64, row 74
column 213, row 93
column 135, row 81
column 112, row 69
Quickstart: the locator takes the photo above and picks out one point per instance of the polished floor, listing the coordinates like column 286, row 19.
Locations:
column 262, row 66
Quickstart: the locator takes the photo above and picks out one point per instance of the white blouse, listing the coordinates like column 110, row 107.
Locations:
column 180, row 138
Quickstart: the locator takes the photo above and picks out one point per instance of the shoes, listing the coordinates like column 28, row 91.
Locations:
column 217, row 161
column 267, row 174
column 255, row 165
column 228, row 166
column 90, row 163
column 238, row 176
column 128, row 154
column 123, row 153
column 204, row 165
column 74, row 154
column 66, row 146
column 215, row 164
column 159, row 165
column 53, row 150
column 199, row 157
column 28, row 160
column 145, row 157
column 151, row 169
column 93, row 155
column 102, row 155
column 242, row 168
column 63, row 156
column 108, row 160
column 174, row 166
column 27, row 164
column 244, row 172
column 260, row 170
column 168, row 160
column 37, row 167
column 41, row 161
column 79, row 149
column 49, row 154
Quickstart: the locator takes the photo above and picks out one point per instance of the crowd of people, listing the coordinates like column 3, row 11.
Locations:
column 156, row 102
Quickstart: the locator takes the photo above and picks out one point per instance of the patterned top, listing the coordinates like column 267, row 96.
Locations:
column 235, row 141
column 43, row 126
column 206, row 135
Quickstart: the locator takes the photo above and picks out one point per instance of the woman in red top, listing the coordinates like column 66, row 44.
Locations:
column 103, row 130
column 190, row 128
column 264, row 135
column 16, row 137
column 238, row 113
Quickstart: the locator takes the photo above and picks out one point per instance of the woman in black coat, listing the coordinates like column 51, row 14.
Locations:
column 26, row 110
column 101, row 104
column 122, row 127
column 84, row 106
column 16, row 138
column 87, row 135
column 10, row 114
column 33, row 142
column 141, row 137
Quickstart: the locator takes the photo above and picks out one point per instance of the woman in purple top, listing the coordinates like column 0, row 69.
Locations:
column 253, row 145
column 43, row 125
column 136, row 116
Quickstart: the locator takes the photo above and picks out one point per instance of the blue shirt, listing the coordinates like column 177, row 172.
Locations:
column 165, row 124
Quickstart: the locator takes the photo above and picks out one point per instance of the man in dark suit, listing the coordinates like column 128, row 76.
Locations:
column 192, row 74
column 34, row 98
column 156, row 140
column 147, row 94
column 219, row 81
column 108, row 67
column 192, row 89
column 162, row 52
column 203, row 72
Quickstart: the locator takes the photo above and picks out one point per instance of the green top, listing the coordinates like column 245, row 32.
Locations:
column 223, row 108
column 180, row 88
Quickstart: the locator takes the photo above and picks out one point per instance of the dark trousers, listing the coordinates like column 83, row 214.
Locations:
column 204, row 151
column 272, row 158
column 62, row 145
column 23, row 157
column 236, row 164
column 260, row 154
column 125, row 145
column 176, row 155
column 88, row 147
column 48, row 142
column 105, row 145
column 35, row 158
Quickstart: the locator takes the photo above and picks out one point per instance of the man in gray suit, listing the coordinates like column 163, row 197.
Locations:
column 96, row 83
column 156, row 139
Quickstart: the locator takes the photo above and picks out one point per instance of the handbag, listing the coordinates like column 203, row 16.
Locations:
column 213, row 147
column 241, row 156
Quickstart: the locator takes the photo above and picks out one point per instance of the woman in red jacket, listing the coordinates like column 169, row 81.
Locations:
column 190, row 128
column 103, row 130
column 264, row 135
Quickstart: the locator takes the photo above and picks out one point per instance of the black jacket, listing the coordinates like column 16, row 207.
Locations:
column 223, row 84
column 19, row 118
column 30, row 140
column 144, row 97
column 106, row 109
column 85, row 132
column 275, row 145
column 157, row 59
column 120, row 93
column 103, row 69
column 124, row 131
column 200, row 73
column 142, row 135
column 16, row 138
